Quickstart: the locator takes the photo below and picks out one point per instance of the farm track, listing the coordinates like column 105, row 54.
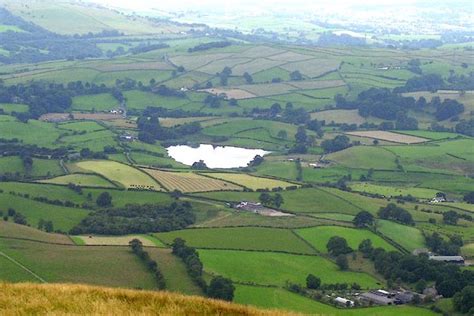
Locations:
column 22, row 267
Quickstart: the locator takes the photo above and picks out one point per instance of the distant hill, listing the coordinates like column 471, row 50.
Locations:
column 27, row 298
column 71, row 17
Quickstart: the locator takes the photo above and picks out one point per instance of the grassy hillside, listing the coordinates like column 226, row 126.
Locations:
column 22, row 299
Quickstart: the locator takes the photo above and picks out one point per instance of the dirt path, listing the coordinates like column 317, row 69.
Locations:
column 23, row 267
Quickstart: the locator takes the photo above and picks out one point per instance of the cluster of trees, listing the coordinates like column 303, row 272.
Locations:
column 268, row 200
column 434, row 82
column 168, row 92
column 224, row 75
column 396, row 213
column 137, row 219
column 331, row 39
column 210, row 45
column 150, row 129
column 256, row 161
column 191, row 259
column 363, row 219
column 396, row 267
column 45, row 225
column 137, row 248
column 469, row 197
column 443, row 247
column 339, row 142
column 37, row 44
column 219, row 287
column 17, row 217
column 465, row 127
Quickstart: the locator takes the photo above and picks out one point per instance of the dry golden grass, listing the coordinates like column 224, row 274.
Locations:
column 67, row 299
column 389, row 136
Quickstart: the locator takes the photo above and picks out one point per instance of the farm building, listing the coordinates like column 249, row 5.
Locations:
column 344, row 302
column 378, row 298
column 448, row 259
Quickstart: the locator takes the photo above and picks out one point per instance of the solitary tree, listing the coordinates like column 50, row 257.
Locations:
column 104, row 199
column 342, row 262
column 337, row 246
column 221, row 288
column 313, row 282
column 363, row 218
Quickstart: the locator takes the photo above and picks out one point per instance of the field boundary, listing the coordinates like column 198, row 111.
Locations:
column 22, row 266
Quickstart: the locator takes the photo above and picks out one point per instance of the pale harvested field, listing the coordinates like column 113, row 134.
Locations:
column 195, row 61
column 317, row 84
column 216, row 66
column 157, row 65
column 237, row 94
column 54, row 117
column 249, row 181
column 389, row 136
column 189, row 181
column 314, row 67
column 113, row 240
column 290, row 56
column 171, row 121
column 255, row 66
column 97, row 116
column 263, row 90
column 261, row 51
column 339, row 116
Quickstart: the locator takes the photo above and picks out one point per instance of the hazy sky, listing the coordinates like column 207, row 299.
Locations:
column 229, row 4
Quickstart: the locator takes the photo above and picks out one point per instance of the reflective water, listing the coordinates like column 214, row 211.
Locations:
column 214, row 156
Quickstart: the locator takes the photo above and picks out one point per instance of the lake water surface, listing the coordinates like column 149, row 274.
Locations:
column 214, row 156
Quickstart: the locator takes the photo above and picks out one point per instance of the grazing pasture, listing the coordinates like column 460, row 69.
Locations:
column 392, row 191
column 63, row 218
column 249, row 181
column 99, row 265
column 189, row 181
column 365, row 157
column 408, row 237
column 85, row 180
column 237, row 94
column 269, row 268
column 389, row 136
column 319, row 236
column 97, row 102
column 147, row 241
column 12, row 230
column 243, row 238
column 123, row 175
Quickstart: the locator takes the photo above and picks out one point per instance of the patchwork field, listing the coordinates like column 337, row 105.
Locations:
column 112, row 266
column 392, row 191
column 249, row 181
column 189, row 181
column 408, row 237
column 318, row 237
column 87, row 180
column 147, row 241
column 121, row 174
column 389, row 136
column 243, row 238
column 267, row 268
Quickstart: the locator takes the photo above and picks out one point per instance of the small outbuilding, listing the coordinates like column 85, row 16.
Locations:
column 344, row 302
column 448, row 259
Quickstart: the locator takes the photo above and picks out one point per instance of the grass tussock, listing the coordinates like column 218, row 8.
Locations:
column 61, row 299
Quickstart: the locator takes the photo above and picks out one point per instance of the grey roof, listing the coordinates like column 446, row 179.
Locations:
column 447, row 258
column 377, row 298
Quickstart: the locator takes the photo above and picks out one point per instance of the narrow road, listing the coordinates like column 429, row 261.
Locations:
column 23, row 267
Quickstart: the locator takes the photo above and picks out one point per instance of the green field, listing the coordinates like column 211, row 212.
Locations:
column 88, row 180
column 318, row 237
column 408, row 237
column 249, row 181
column 95, row 102
column 365, row 157
column 63, row 218
column 267, row 268
column 267, row 297
column 121, row 174
column 392, row 191
column 112, row 266
column 244, row 238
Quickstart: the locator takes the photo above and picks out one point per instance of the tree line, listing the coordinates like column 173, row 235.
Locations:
column 137, row 219
column 137, row 248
